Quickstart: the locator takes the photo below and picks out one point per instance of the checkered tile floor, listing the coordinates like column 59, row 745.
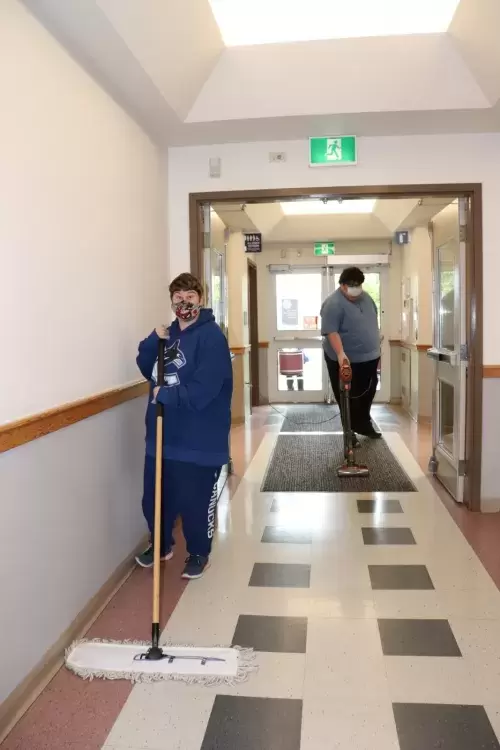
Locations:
column 376, row 628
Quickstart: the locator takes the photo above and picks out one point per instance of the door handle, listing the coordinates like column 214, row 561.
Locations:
column 438, row 355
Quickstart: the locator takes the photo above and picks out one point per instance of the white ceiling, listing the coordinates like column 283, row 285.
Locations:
column 167, row 64
column 270, row 21
column 388, row 216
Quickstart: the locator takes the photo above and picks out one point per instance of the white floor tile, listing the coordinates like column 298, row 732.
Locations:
column 470, row 605
column 348, row 725
column 479, row 641
column 163, row 716
column 344, row 659
column 334, row 577
column 304, row 603
column 435, row 680
column 279, row 676
column 407, row 604
column 214, row 628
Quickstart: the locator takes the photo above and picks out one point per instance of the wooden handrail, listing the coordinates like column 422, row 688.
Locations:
column 14, row 434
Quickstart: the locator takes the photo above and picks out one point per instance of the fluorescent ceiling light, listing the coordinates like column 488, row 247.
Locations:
column 270, row 21
column 317, row 207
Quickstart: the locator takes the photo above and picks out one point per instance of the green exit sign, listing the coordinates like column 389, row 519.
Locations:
column 334, row 151
column 324, row 248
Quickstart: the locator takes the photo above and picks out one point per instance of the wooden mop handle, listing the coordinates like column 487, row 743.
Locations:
column 158, row 498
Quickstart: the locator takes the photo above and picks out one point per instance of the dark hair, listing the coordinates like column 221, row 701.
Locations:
column 186, row 282
column 352, row 276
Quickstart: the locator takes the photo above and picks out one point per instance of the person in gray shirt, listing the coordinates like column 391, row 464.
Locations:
column 349, row 326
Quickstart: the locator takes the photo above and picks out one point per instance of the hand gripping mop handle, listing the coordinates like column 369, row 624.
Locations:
column 155, row 652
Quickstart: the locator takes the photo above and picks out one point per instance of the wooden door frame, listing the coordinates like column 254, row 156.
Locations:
column 474, row 281
column 254, row 344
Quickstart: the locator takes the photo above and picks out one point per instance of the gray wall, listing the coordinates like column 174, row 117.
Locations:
column 71, row 514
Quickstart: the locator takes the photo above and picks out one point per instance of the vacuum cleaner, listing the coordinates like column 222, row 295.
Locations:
column 350, row 467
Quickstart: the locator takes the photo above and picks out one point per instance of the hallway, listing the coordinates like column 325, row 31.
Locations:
column 363, row 642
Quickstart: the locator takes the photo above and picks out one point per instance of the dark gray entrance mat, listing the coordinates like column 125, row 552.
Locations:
column 311, row 418
column 309, row 463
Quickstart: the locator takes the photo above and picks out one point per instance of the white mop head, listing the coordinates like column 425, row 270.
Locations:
column 114, row 660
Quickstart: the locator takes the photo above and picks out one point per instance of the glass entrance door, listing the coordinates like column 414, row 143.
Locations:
column 449, row 354
column 297, row 373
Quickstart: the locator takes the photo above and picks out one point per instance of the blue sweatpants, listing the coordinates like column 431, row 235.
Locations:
column 190, row 491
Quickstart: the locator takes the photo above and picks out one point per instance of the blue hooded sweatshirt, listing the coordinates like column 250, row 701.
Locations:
column 196, row 393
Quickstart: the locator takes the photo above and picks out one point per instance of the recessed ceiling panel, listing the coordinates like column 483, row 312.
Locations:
column 325, row 207
column 270, row 21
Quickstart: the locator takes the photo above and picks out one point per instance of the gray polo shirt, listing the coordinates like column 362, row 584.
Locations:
column 357, row 324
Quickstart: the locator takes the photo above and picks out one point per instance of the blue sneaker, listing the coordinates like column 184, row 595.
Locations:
column 195, row 566
column 146, row 558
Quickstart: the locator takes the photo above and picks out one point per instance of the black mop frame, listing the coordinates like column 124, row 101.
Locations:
column 350, row 467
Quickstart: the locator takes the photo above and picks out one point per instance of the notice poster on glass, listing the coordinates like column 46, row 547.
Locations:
column 310, row 322
column 290, row 312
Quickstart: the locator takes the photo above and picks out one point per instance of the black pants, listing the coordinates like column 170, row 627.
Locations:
column 190, row 491
column 300, row 382
column 363, row 390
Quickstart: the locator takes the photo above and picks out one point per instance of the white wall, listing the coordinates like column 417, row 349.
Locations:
column 382, row 161
column 237, row 283
column 82, row 240
column 417, row 271
column 83, row 277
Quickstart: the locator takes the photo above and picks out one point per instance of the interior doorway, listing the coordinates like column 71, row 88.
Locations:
column 294, row 352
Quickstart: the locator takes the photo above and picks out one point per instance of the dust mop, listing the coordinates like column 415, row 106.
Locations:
column 350, row 467
column 139, row 661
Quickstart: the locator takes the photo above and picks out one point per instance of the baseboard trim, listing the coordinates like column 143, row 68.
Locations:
column 490, row 505
column 24, row 695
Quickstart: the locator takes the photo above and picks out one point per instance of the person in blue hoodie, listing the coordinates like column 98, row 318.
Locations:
column 196, row 396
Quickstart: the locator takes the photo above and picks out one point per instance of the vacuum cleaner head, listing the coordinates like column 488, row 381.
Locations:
column 353, row 470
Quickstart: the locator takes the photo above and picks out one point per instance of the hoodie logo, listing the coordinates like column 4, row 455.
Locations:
column 173, row 356
column 212, row 508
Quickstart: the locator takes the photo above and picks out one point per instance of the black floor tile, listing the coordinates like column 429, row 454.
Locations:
column 238, row 723
column 424, row 726
column 417, row 638
column 272, row 634
column 388, row 535
column 400, row 577
column 280, row 575
column 284, row 535
column 379, row 506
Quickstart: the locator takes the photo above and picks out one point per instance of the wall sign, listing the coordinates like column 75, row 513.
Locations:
column 402, row 238
column 334, row 151
column 324, row 248
column 253, row 243
column 290, row 312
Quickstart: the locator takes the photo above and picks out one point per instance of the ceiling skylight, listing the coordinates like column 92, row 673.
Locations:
column 319, row 208
column 269, row 21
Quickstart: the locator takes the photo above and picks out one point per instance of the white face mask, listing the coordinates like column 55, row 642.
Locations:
column 354, row 291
